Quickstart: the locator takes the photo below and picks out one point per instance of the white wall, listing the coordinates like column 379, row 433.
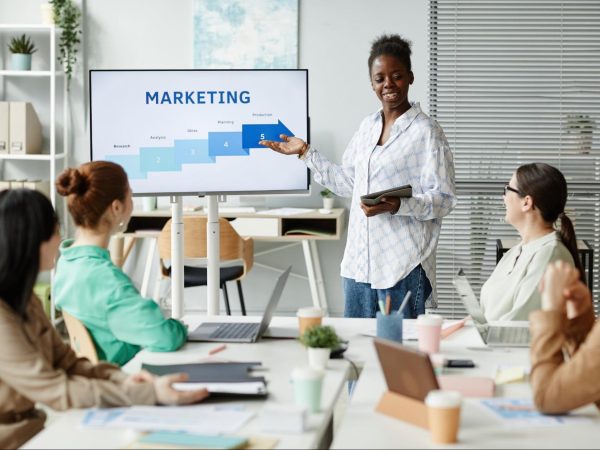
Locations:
column 334, row 42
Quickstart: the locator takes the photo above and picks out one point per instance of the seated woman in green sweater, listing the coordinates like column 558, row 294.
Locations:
column 89, row 286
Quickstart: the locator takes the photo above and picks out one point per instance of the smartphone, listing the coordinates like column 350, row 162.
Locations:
column 460, row 363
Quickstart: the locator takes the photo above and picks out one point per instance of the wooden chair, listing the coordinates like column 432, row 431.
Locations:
column 81, row 341
column 232, row 248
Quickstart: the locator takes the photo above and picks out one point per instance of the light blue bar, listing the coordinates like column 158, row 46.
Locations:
column 158, row 159
column 131, row 164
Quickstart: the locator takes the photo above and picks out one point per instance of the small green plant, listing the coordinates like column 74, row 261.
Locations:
column 326, row 193
column 320, row 337
column 22, row 44
column 66, row 16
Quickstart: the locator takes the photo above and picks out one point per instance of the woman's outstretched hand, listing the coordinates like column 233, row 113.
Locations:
column 289, row 146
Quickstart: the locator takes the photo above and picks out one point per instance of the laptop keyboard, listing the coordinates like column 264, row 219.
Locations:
column 509, row 335
column 235, row 331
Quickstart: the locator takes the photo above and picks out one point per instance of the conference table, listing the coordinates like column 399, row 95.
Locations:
column 357, row 424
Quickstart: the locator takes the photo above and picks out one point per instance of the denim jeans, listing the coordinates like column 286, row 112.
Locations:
column 362, row 300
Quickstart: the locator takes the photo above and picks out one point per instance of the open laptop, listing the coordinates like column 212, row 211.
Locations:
column 497, row 334
column 241, row 331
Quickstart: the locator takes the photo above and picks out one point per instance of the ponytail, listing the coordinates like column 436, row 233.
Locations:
column 567, row 236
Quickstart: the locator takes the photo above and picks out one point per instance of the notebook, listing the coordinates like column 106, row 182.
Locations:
column 498, row 334
column 240, row 331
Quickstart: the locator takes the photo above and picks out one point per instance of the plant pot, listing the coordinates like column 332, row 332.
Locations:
column 318, row 357
column 20, row 61
column 328, row 203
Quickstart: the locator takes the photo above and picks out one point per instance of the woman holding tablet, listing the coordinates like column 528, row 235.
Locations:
column 391, row 245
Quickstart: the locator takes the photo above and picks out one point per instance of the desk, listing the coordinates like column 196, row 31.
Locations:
column 361, row 427
column 261, row 227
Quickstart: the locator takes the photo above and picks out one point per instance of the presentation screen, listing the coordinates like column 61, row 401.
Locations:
column 196, row 132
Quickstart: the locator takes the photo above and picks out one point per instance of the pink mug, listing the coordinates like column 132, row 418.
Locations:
column 429, row 329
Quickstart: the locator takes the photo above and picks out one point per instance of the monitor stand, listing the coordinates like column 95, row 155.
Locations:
column 177, row 255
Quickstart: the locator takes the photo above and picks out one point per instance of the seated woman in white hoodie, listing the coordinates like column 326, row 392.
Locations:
column 535, row 199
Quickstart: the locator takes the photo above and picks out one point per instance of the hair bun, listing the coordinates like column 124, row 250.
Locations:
column 71, row 181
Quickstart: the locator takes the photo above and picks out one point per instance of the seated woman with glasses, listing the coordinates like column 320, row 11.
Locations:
column 535, row 199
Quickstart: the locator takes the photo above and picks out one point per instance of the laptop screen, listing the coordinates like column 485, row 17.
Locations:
column 468, row 297
column 272, row 305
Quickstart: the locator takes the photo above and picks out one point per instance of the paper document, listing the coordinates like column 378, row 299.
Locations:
column 522, row 413
column 204, row 419
column 250, row 388
column 285, row 211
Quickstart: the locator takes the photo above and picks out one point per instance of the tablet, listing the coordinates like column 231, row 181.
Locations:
column 407, row 371
column 374, row 198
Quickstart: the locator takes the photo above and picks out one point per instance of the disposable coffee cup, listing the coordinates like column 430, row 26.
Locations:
column 443, row 414
column 309, row 317
column 429, row 328
column 308, row 384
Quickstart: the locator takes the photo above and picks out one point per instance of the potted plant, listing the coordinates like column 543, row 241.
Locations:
column 320, row 340
column 582, row 127
column 21, row 48
column 66, row 16
column 328, row 199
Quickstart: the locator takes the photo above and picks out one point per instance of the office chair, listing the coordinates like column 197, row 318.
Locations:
column 232, row 248
column 81, row 341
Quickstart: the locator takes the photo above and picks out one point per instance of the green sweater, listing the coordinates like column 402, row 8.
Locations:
column 121, row 322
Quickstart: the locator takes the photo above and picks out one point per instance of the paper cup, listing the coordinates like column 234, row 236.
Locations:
column 308, row 383
column 443, row 414
column 429, row 328
column 309, row 317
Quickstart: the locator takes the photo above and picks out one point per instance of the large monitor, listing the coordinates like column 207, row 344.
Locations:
column 196, row 132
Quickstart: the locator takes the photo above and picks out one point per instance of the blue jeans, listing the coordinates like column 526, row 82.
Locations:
column 362, row 300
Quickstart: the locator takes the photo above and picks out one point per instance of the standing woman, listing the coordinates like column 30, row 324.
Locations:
column 391, row 246
column 36, row 366
column 89, row 286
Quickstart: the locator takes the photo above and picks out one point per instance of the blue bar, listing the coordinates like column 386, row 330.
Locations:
column 192, row 151
column 131, row 164
column 158, row 159
column 226, row 144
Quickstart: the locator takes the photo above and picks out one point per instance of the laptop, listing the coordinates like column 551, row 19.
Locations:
column 498, row 334
column 240, row 331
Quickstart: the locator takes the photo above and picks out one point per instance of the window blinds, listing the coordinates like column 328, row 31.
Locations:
column 513, row 82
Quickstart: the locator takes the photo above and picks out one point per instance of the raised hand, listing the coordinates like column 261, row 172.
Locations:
column 290, row 145
column 558, row 277
column 579, row 299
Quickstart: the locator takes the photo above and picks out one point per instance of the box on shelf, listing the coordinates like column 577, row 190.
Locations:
column 25, row 129
column 4, row 184
column 42, row 186
column 4, row 141
column 17, row 184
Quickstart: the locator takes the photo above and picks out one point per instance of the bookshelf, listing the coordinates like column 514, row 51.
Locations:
column 22, row 85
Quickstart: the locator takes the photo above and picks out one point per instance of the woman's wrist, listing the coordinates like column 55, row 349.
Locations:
column 303, row 150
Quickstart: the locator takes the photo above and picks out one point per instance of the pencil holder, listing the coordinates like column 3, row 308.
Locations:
column 389, row 326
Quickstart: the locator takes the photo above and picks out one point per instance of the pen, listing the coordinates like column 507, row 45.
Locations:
column 404, row 302
column 382, row 307
column 388, row 304
column 217, row 349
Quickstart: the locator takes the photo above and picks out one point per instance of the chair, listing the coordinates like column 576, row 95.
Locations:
column 81, row 341
column 232, row 248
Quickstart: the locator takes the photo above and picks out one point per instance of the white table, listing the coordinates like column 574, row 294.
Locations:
column 279, row 357
column 362, row 427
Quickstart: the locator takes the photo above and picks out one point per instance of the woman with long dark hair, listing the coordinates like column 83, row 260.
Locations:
column 535, row 200
column 36, row 366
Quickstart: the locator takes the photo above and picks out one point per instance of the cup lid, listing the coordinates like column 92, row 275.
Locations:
column 307, row 373
column 310, row 311
column 430, row 319
column 443, row 399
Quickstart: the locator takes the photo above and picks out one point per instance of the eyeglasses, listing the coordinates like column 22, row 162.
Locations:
column 507, row 187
